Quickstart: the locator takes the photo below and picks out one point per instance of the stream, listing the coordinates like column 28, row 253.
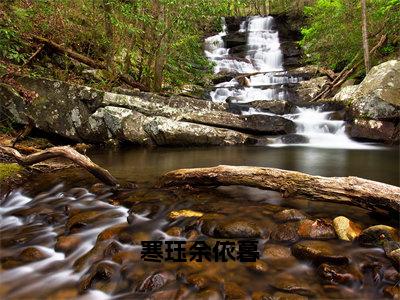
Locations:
column 64, row 236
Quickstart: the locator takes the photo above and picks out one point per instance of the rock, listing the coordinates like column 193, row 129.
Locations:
column 392, row 292
column 174, row 231
column 288, row 215
column 199, row 281
column 273, row 252
column 258, row 266
column 101, row 272
column 185, row 213
column 80, row 220
column 155, row 282
column 294, row 139
column 373, row 130
column 287, row 232
column 286, row 296
column 318, row 252
column 234, row 291
column 306, row 90
column 237, row 229
column 377, row 235
column 31, row 254
column 279, row 107
column 318, row 229
column 67, row 243
column 332, row 274
column 345, row 229
column 288, row 283
column 346, row 93
column 266, row 124
column 165, row 131
column 235, row 39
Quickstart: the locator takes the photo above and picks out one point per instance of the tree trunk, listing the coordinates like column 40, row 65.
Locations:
column 365, row 35
column 348, row 190
column 109, row 31
column 65, row 152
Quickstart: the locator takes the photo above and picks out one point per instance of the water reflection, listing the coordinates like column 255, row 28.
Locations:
column 147, row 164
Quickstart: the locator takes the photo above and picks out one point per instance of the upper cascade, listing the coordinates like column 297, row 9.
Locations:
column 254, row 52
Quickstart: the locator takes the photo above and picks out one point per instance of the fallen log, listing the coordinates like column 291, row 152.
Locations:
column 65, row 152
column 364, row 193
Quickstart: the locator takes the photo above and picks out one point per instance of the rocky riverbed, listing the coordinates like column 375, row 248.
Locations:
column 70, row 241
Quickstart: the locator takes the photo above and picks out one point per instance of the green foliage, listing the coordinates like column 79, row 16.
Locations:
column 333, row 35
column 8, row 170
column 11, row 45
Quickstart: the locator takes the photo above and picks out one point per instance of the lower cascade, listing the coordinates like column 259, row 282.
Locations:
column 258, row 74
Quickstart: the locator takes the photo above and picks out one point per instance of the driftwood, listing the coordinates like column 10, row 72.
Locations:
column 364, row 193
column 88, row 61
column 346, row 72
column 65, row 152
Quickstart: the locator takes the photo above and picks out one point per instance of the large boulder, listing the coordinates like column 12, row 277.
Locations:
column 374, row 111
column 164, row 131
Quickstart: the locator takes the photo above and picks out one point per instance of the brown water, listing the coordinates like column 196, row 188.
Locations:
column 87, row 244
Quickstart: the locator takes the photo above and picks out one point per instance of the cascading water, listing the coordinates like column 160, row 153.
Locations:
column 260, row 75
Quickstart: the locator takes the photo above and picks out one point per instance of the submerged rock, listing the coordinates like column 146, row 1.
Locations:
column 345, row 229
column 287, row 232
column 318, row 229
column 237, row 229
column 287, row 215
column 318, row 252
column 294, row 139
column 155, row 282
column 291, row 284
column 333, row 274
column 377, row 235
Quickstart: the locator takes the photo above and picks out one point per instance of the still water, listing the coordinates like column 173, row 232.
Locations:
column 381, row 164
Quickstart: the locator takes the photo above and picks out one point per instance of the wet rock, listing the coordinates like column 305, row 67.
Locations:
column 318, row 252
column 234, row 291
column 372, row 130
column 279, row 107
column 63, row 294
column 124, row 257
column 101, row 272
column 112, row 249
column 287, row 232
column 392, row 292
column 288, row 215
column 286, row 296
column 67, row 243
column 332, row 274
column 258, row 266
column 237, row 229
column 80, row 220
column 376, row 235
column 112, row 232
column 235, row 39
column 318, row 229
column 174, row 231
column 155, row 282
column 273, row 251
column 199, row 281
column 392, row 275
column 345, row 229
column 185, row 213
column 207, row 294
column 294, row 139
column 31, row 254
column 164, row 131
column 288, row 283
column 138, row 237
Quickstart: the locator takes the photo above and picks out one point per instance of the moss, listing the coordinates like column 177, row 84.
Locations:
column 8, row 170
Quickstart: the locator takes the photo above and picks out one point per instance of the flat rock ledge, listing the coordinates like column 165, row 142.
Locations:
column 84, row 114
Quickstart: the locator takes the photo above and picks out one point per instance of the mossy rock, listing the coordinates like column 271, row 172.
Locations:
column 8, row 170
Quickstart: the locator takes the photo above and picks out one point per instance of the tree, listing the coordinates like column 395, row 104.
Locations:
column 365, row 35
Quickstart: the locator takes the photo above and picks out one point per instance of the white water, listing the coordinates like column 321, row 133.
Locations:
column 265, row 58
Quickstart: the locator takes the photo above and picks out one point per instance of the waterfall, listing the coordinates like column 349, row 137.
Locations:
column 264, row 78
